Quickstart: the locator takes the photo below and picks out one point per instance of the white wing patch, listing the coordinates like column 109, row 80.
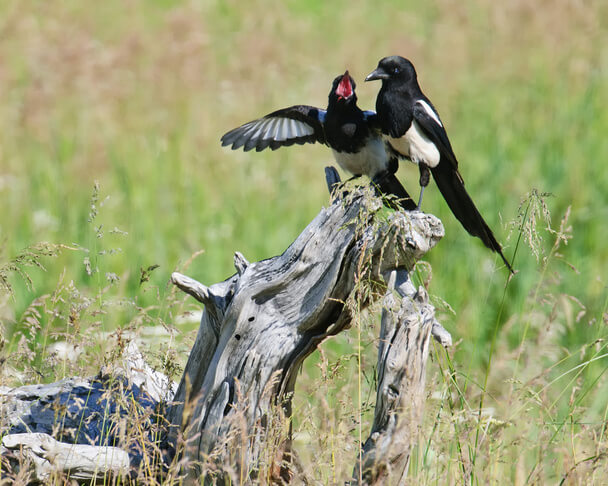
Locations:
column 258, row 130
column 281, row 129
column 416, row 146
column 429, row 111
column 271, row 131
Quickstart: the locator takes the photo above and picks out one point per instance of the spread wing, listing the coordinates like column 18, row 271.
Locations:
column 428, row 119
column 297, row 124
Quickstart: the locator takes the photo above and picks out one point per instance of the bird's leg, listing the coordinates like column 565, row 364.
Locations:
column 425, row 177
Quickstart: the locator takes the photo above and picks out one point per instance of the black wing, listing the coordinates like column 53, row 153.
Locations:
column 435, row 132
column 297, row 124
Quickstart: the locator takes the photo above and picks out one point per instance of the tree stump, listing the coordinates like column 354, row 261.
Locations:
column 259, row 325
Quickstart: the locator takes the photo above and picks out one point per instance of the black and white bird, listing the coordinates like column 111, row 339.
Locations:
column 353, row 135
column 413, row 130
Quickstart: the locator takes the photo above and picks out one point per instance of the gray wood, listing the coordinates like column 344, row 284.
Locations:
column 259, row 325
column 37, row 415
column 30, row 408
column 406, row 325
column 51, row 458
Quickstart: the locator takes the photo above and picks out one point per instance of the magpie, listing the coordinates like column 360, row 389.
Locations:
column 353, row 135
column 414, row 131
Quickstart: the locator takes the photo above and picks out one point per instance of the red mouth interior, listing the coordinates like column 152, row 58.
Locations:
column 345, row 88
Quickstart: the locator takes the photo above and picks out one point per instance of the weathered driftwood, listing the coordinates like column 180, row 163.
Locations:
column 260, row 324
column 69, row 428
column 51, row 458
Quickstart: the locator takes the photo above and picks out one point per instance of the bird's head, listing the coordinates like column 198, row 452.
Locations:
column 343, row 89
column 393, row 68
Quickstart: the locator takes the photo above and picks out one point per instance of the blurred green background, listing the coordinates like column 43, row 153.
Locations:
column 135, row 95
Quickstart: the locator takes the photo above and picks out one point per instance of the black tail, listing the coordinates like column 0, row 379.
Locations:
column 388, row 183
column 451, row 185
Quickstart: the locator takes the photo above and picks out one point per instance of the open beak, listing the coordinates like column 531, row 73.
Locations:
column 345, row 89
column 379, row 73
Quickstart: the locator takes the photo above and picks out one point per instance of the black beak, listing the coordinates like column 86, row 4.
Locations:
column 379, row 73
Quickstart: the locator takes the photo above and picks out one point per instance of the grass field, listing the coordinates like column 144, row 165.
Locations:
column 110, row 119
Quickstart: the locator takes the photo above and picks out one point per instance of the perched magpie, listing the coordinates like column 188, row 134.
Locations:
column 353, row 135
column 413, row 130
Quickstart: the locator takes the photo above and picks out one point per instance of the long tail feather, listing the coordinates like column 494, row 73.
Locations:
column 452, row 188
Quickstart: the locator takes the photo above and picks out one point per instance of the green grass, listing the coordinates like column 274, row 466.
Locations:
column 135, row 96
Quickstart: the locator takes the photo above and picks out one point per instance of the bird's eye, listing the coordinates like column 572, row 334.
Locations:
column 396, row 70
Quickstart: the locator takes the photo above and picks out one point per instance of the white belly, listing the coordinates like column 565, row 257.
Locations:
column 416, row 146
column 371, row 160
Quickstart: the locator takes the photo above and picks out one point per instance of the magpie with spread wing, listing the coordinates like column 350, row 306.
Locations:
column 413, row 130
column 353, row 135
